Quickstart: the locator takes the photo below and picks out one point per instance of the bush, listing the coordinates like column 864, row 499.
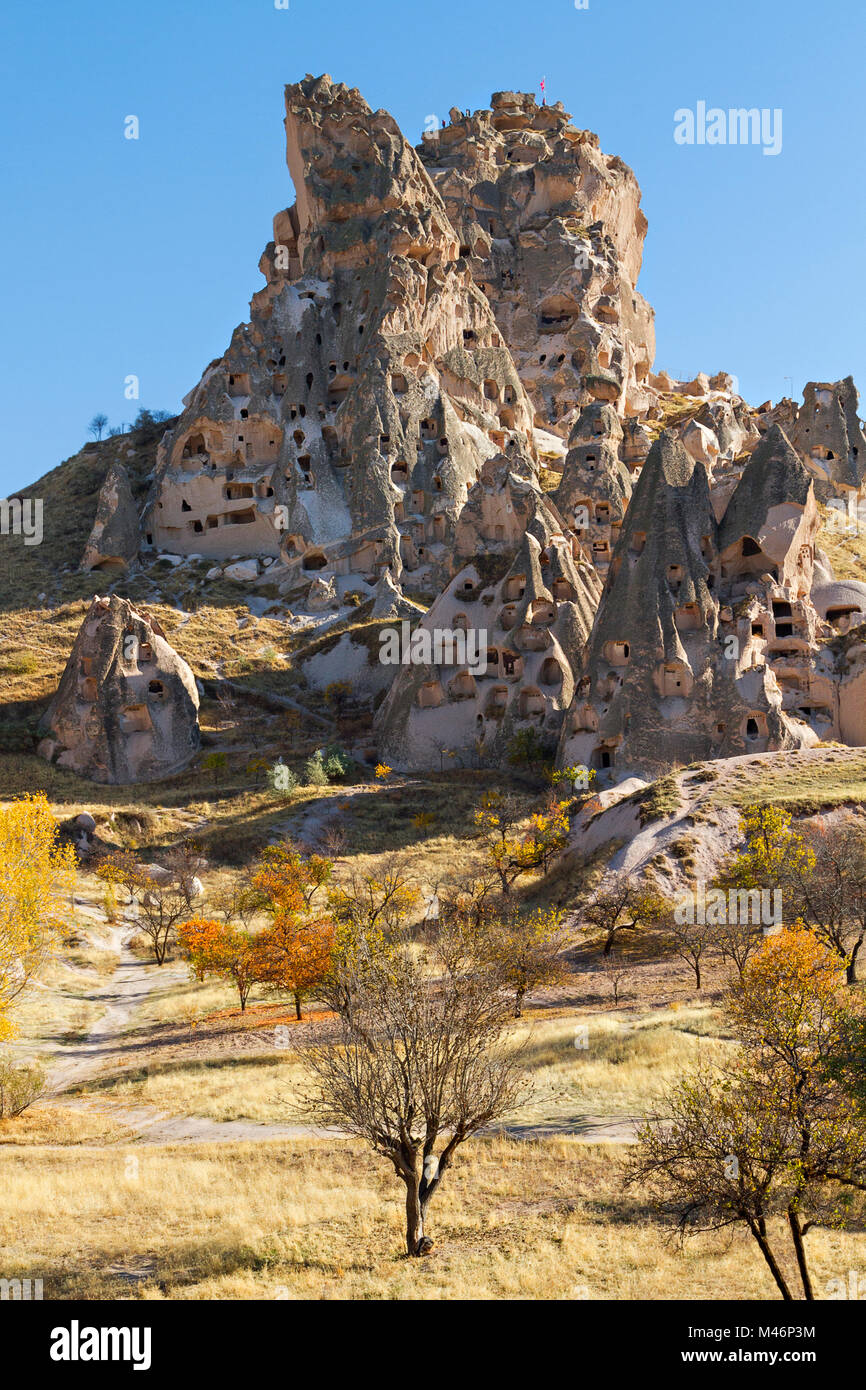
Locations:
column 336, row 762
column 282, row 780
column 314, row 771
column 17, row 736
column 19, row 1087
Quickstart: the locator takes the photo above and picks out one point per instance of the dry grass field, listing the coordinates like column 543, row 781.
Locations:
column 322, row 1219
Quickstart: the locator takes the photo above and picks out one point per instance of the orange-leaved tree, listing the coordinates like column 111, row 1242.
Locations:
column 294, row 951
column 221, row 949
column 200, row 940
column 35, row 875
column 768, row 1139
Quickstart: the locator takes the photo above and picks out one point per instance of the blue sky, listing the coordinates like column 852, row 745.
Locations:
column 125, row 257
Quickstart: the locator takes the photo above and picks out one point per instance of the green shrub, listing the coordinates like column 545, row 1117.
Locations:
column 282, row 780
column 314, row 771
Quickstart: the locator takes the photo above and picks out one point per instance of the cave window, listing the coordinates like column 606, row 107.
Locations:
column 752, row 728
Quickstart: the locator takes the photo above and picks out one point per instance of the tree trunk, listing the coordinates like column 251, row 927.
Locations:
column 518, row 1003
column 851, row 967
column 698, row 973
column 414, row 1217
column 797, row 1237
column 770, row 1258
column 298, row 1007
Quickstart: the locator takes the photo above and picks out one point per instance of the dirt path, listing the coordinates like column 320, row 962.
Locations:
column 129, row 986
column 106, row 1043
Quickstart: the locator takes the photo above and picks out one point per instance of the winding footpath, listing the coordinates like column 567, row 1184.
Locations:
column 128, row 989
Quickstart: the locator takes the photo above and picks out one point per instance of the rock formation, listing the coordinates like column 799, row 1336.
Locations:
column 829, row 437
column 596, row 486
column 126, row 709
column 494, row 655
column 115, row 538
column 553, row 233
column 359, row 403
column 704, row 644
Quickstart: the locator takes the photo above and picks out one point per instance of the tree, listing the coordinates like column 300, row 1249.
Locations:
column 97, row 425
column 418, row 1064
column 827, row 890
column 36, row 874
column 528, row 749
column 236, row 901
column 771, row 857
column 623, row 904
column 615, row 972
column 215, row 763
column 772, row 850
column 379, row 900
column 238, row 958
column 219, row 948
column 512, row 852
column 770, row 1135
column 691, row 941
column 285, row 879
column 294, row 953
column 160, row 900
column 337, row 695
column 200, row 940
column 737, row 939
column 525, row 948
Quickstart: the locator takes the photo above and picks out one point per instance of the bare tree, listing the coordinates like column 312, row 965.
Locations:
column 769, row 1138
column 737, row 940
column 97, row 425
column 830, row 893
column 615, row 972
column 691, row 941
column 418, row 1065
column 157, row 909
column 622, row 904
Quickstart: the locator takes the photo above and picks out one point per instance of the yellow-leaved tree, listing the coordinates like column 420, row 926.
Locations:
column 35, row 875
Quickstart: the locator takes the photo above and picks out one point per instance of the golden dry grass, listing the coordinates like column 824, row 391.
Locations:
column 322, row 1219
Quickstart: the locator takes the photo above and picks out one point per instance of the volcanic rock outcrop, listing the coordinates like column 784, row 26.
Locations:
column 704, row 644
column 829, row 437
column 494, row 655
column 369, row 387
column 126, row 709
column 595, row 488
column 553, row 232
column 116, row 535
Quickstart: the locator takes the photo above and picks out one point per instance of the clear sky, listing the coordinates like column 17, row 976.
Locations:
column 124, row 257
